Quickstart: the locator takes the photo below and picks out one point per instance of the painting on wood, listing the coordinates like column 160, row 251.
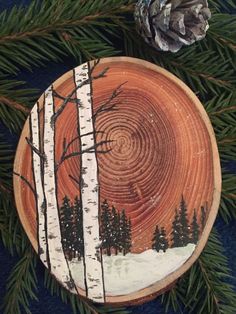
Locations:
column 117, row 179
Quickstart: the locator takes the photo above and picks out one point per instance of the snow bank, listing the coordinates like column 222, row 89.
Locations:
column 130, row 273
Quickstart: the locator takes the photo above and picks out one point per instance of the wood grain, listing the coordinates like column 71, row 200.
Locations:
column 162, row 146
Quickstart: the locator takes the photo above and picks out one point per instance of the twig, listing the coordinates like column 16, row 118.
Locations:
column 57, row 95
column 4, row 189
column 104, row 108
column 91, row 149
column 231, row 108
column 74, row 179
column 37, row 151
column 27, row 182
column 227, row 140
column 66, row 146
column 68, row 97
column 13, row 104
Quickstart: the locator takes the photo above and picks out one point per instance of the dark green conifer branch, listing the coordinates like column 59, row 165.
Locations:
column 21, row 285
column 204, row 288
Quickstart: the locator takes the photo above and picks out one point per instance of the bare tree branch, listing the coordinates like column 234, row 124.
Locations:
column 91, row 149
column 107, row 106
column 74, row 179
column 67, row 146
column 57, row 95
column 27, row 183
column 37, row 151
column 68, row 98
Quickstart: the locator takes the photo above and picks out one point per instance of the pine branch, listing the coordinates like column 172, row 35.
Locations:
column 49, row 30
column 15, row 102
column 228, row 200
column 78, row 305
column 11, row 231
column 204, row 288
column 21, row 285
column 208, row 75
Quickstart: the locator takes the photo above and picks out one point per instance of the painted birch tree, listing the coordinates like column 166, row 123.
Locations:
column 58, row 262
column 34, row 142
column 44, row 187
column 89, row 188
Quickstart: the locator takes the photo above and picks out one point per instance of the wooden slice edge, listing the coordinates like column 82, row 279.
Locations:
column 165, row 284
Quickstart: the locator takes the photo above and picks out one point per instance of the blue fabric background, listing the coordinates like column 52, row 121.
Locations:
column 41, row 78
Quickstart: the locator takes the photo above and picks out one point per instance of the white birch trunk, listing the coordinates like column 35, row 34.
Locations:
column 58, row 262
column 89, row 191
column 37, row 173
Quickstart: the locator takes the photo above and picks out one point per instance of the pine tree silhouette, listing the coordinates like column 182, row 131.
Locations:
column 119, row 233
column 115, row 230
column 129, row 236
column 194, row 229
column 125, row 234
column 156, row 244
column 66, row 222
column 163, row 240
column 106, row 228
column 176, row 231
column 78, row 226
column 183, row 218
column 203, row 217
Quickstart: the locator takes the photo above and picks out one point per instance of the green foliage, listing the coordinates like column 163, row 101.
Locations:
column 11, row 232
column 15, row 102
column 78, row 305
column 21, row 285
column 203, row 289
column 50, row 30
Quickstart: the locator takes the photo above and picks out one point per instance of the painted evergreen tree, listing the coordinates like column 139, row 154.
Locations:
column 176, row 231
column 194, row 229
column 156, row 244
column 125, row 235
column 203, row 217
column 183, row 218
column 78, row 226
column 115, row 229
column 163, row 240
column 119, row 233
column 129, row 236
column 106, row 227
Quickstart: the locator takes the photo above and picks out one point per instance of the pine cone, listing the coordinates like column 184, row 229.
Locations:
column 169, row 24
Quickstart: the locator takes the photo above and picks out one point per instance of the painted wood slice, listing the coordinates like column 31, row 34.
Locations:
column 117, row 179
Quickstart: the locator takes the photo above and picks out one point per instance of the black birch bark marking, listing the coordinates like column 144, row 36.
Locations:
column 37, row 177
column 89, row 189
column 58, row 262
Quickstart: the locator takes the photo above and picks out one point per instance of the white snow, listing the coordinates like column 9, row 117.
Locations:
column 130, row 273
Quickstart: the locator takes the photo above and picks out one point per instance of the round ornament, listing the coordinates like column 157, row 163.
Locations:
column 117, row 179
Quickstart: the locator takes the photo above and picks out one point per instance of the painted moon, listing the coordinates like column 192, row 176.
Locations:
column 117, row 179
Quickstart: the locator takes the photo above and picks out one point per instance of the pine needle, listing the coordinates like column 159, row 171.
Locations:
column 204, row 288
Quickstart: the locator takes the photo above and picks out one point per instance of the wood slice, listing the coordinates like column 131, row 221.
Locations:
column 117, row 179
